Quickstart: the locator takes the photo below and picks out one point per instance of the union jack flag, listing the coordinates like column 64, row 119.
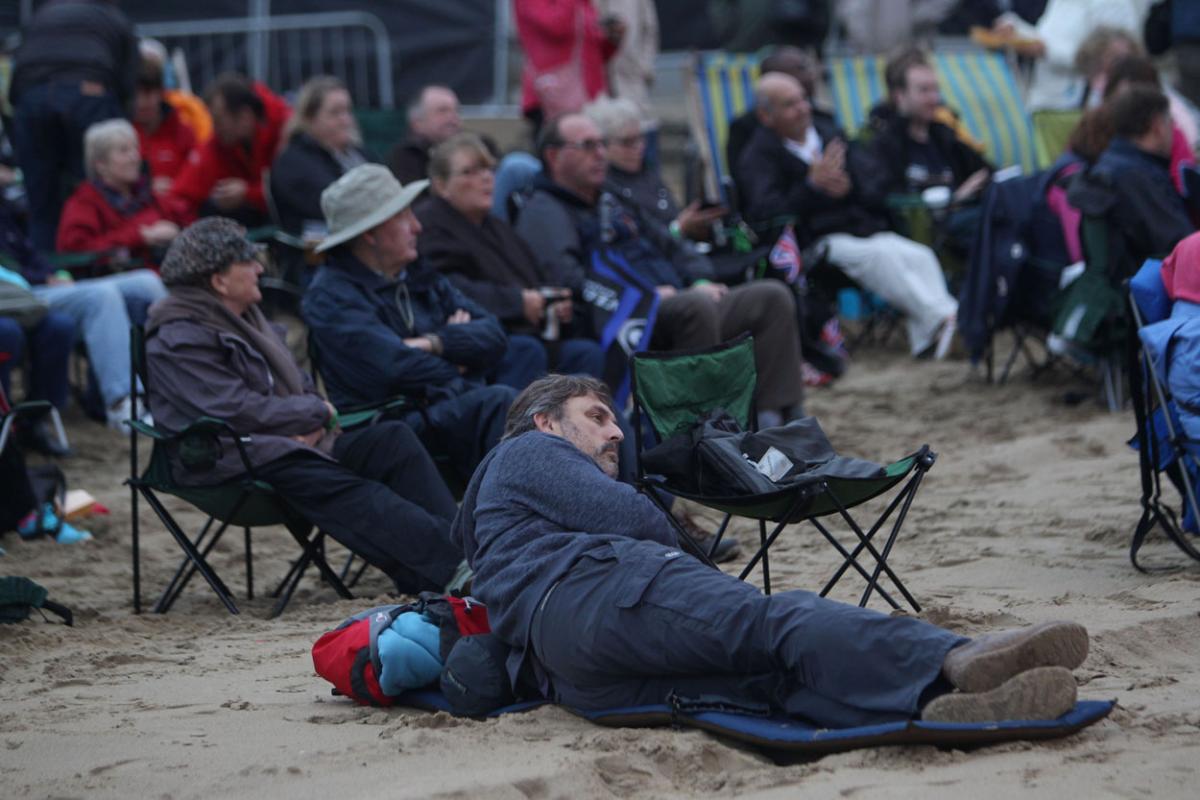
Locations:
column 785, row 256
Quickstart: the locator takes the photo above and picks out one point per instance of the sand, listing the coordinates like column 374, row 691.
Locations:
column 1025, row 517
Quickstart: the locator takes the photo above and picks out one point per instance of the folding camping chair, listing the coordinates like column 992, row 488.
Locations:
column 1163, row 446
column 245, row 503
column 673, row 389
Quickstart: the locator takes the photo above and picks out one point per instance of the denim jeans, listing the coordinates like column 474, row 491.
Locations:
column 49, row 346
column 102, row 309
column 47, row 132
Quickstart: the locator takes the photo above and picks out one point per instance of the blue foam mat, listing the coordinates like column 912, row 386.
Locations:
column 790, row 734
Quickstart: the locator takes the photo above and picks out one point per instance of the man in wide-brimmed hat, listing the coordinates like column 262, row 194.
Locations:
column 385, row 324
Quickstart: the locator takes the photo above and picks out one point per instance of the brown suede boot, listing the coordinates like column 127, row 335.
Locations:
column 985, row 663
column 1041, row 693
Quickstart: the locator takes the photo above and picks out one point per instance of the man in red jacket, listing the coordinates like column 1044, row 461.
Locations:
column 225, row 175
column 166, row 141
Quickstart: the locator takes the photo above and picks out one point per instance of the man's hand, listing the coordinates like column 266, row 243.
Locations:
column 696, row 222
column 159, row 233
column 972, row 185
column 533, row 305
column 713, row 291
column 229, row 193
column 458, row 317
column 665, row 292
column 419, row 343
column 310, row 439
column 828, row 173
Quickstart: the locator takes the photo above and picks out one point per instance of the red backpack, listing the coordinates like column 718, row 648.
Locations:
column 348, row 655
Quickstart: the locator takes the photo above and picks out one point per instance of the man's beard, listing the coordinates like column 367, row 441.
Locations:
column 606, row 456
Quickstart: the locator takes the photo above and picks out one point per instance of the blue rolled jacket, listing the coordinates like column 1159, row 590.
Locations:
column 357, row 320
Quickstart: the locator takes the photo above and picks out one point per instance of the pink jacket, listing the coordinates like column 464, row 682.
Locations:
column 547, row 30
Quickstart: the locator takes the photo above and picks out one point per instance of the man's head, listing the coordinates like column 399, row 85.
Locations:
column 235, row 107
column 1142, row 114
column 574, row 407
column 1129, row 71
column 434, row 114
column 147, row 109
column 368, row 210
column 912, row 85
column 574, row 154
column 782, row 105
column 800, row 64
column 214, row 254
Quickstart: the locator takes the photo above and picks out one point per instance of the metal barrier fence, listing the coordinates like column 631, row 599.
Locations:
column 283, row 51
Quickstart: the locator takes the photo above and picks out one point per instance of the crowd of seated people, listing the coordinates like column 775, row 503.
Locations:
column 424, row 292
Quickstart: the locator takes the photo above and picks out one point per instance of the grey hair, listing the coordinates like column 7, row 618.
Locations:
column 100, row 138
column 613, row 115
column 416, row 109
column 548, row 395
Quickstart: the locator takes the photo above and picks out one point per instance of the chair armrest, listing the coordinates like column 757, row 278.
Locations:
column 203, row 426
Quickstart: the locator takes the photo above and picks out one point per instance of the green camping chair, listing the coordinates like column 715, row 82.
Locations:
column 243, row 503
column 1092, row 313
column 673, row 389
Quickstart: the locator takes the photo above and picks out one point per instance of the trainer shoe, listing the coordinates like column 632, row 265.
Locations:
column 1041, row 693
column 985, row 663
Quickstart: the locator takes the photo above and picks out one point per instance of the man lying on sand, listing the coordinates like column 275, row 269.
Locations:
column 584, row 579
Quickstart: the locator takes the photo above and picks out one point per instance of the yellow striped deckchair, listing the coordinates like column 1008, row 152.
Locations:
column 978, row 85
column 721, row 88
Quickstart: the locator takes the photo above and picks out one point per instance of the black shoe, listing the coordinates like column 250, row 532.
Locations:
column 727, row 550
column 39, row 438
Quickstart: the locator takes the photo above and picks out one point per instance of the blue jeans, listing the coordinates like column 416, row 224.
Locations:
column 47, row 132
column 102, row 309
column 527, row 359
column 49, row 345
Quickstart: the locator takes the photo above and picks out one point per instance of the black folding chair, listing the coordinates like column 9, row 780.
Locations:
column 673, row 389
column 245, row 503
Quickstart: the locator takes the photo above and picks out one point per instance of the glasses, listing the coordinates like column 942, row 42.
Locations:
column 471, row 172
column 590, row 146
column 630, row 141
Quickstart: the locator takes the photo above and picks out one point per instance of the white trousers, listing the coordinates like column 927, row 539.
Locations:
column 904, row 273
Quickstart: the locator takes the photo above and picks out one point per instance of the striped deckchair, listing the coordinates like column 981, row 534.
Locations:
column 721, row 88
column 978, row 85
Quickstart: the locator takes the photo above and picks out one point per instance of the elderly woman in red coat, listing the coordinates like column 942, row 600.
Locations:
column 115, row 209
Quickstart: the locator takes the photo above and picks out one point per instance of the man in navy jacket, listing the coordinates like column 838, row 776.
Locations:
column 384, row 324
column 585, row 581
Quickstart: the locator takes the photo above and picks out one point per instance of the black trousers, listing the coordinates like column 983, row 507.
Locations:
column 464, row 428
column 383, row 499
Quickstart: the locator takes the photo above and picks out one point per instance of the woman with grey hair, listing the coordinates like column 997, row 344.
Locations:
column 115, row 211
column 637, row 182
column 211, row 352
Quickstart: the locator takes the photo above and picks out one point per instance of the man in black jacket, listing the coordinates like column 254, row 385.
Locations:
column 916, row 151
column 913, row 148
column 799, row 169
column 432, row 119
column 569, row 216
column 76, row 66
column 1130, row 185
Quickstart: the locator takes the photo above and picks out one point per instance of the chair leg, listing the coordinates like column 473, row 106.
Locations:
column 214, row 581
column 134, row 532
column 766, row 562
column 866, row 541
column 184, row 564
column 249, row 566
column 186, row 570
column 909, row 493
column 849, row 561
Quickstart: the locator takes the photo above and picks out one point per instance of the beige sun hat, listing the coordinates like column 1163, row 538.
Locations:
column 364, row 197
